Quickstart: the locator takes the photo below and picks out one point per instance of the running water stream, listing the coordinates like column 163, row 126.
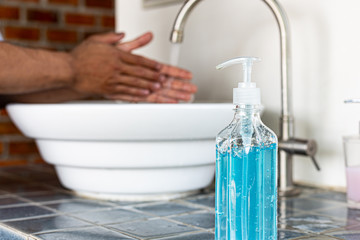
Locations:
column 175, row 54
column 174, row 61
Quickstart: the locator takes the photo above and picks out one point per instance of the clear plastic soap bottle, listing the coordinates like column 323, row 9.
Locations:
column 221, row 196
column 246, row 168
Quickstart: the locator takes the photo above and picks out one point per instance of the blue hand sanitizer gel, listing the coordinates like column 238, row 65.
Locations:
column 246, row 168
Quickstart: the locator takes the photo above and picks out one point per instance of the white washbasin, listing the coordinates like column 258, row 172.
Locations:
column 126, row 151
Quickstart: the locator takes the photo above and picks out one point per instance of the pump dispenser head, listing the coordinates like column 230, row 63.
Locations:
column 246, row 93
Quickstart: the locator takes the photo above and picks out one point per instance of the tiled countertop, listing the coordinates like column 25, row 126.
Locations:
column 34, row 206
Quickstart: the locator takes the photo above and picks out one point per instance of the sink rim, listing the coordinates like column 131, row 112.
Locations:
column 111, row 121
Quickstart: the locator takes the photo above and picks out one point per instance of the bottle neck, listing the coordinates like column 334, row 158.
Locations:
column 247, row 112
column 247, row 109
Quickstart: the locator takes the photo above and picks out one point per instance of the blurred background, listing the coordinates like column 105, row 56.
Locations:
column 48, row 24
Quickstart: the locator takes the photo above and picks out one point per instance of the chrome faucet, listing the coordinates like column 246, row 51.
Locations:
column 288, row 145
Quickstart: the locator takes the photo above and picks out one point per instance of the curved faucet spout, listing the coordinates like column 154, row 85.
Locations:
column 177, row 33
column 286, row 119
column 177, row 36
column 284, row 28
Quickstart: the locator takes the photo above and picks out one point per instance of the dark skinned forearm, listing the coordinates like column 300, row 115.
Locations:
column 25, row 70
column 49, row 96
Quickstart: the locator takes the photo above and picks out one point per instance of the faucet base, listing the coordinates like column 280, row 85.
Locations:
column 290, row 192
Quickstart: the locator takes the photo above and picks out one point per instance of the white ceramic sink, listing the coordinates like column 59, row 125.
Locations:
column 126, row 151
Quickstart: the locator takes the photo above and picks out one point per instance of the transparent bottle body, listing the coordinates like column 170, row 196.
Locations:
column 249, row 196
column 221, row 199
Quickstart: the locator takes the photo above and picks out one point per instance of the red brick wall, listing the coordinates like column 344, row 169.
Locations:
column 50, row 24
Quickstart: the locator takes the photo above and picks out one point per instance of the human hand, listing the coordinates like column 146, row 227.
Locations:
column 176, row 87
column 100, row 68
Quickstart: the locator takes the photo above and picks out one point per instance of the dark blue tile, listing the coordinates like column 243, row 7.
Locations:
column 354, row 229
column 306, row 204
column 208, row 201
column 339, row 212
column 351, row 232
column 349, row 236
column 93, row 233
column 313, row 223
column 166, row 209
column 77, row 206
column 6, row 234
column 287, row 234
column 351, row 216
column 6, row 201
column 127, row 203
column 49, row 197
column 203, row 220
column 44, row 224
column 318, row 237
column 153, row 228
column 110, row 216
column 23, row 212
column 196, row 236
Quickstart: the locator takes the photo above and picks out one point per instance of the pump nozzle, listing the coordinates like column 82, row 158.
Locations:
column 246, row 93
column 247, row 63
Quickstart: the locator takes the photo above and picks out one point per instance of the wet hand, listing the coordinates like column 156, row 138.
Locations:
column 176, row 86
column 172, row 91
column 101, row 68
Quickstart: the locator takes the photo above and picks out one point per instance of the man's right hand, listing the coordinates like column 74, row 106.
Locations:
column 100, row 68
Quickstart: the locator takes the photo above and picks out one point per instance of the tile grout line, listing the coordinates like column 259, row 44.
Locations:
column 13, row 230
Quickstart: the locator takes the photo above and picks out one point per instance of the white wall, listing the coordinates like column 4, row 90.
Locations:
column 325, row 45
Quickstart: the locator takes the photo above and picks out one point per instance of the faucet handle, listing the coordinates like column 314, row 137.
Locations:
column 305, row 147
column 315, row 163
